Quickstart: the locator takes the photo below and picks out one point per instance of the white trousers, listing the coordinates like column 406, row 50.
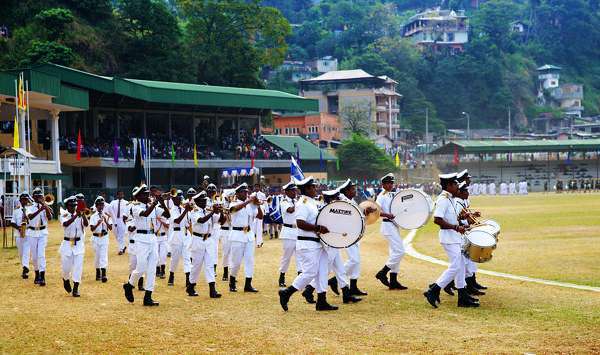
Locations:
column 456, row 269
column 470, row 267
column 24, row 247
column 289, row 249
column 242, row 251
column 336, row 265
column 120, row 229
column 100, row 254
column 179, row 252
column 146, row 260
column 202, row 258
column 162, row 252
column 315, row 266
column 38, row 252
column 226, row 249
column 215, row 246
column 352, row 265
column 72, row 266
column 396, row 251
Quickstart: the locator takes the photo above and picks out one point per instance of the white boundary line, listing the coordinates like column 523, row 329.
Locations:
column 410, row 250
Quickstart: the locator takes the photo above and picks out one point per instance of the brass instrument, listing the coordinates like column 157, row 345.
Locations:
column 173, row 192
column 49, row 199
column 87, row 212
column 24, row 222
column 371, row 210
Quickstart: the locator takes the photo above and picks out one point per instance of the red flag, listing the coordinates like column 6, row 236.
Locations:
column 456, row 160
column 79, row 144
column 252, row 159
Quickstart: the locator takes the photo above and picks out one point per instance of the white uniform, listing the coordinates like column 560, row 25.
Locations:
column 37, row 231
column 257, row 224
column 289, row 234
column 242, row 239
column 503, row 189
column 100, row 239
column 215, row 234
column 523, row 188
column 145, row 246
column 130, row 235
column 116, row 209
column 512, row 188
column 352, row 265
column 492, row 188
column 309, row 249
column 72, row 248
column 451, row 241
column 23, row 244
column 470, row 265
column 224, row 231
column 391, row 233
column 180, row 240
column 161, row 228
column 202, row 247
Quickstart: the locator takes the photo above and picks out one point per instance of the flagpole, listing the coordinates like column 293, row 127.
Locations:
column 28, row 142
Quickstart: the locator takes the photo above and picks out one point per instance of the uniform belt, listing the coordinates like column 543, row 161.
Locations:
column 141, row 231
column 74, row 240
column 225, row 227
column 388, row 220
column 289, row 225
column 101, row 234
column 176, row 229
column 40, row 228
column 131, row 241
column 204, row 236
column 161, row 234
column 312, row 239
column 245, row 229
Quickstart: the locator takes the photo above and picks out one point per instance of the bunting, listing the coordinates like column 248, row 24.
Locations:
column 397, row 160
column 196, row 156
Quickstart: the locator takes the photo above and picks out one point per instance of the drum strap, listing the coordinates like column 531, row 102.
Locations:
column 312, row 239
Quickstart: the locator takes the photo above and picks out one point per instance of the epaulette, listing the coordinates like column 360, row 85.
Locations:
column 65, row 215
column 304, row 200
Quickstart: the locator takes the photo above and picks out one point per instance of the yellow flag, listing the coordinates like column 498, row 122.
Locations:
column 22, row 103
column 16, row 134
column 397, row 160
column 195, row 156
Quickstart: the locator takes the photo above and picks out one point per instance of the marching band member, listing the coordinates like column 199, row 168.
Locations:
column 100, row 224
column 202, row 246
column 162, row 228
column 38, row 215
column 289, row 232
column 211, row 194
column 446, row 216
column 19, row 223
column 180, row 240
column 130, row 236
column 309, row 249
column 392, row 234
column 145, row 243
column 257, row 224
column 241, row 237
column 116, row 209
column 225, row 230
column 72, row 248
column 352, row 266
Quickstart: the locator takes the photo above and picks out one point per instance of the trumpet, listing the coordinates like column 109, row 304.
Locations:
column 173, row 192
column 49, row 199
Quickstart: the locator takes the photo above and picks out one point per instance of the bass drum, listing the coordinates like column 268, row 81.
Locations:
column 345, row 223
column 412, row 208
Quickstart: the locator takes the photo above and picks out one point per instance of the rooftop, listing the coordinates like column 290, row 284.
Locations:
column 342, row 75
column 518, row 146
column 308, row 151
column 548, row 67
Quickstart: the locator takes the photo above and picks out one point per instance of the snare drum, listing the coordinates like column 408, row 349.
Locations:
column 345, row 223
column 479, row 245
column 412, row 208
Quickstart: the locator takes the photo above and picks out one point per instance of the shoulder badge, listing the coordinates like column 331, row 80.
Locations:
column 304, row 200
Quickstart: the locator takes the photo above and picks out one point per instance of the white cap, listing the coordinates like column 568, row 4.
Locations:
column 191, row 191
column 70, row 199
column 99, row 199
column 388, row 178
column 306, row 181
column 289, row 185
column 201, row 194
column 136, row 190
column 345, row 185
column 331, row 193
column 243, row 186
column 206, row 177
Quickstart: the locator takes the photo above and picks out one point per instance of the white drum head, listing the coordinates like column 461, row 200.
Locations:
column 412, row 208
column 487, row 228
column 491, row 222
column 345, row 224
column 481, row 238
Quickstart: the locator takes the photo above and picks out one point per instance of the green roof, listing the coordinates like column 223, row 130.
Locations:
column 518, row 146
column 51, row 78
column 308, row 151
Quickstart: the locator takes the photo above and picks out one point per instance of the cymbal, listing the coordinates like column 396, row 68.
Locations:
column 373, row 207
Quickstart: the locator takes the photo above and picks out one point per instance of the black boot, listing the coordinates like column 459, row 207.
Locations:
column 464, row 300
column 157, row 271
column 282, row 279
column 347, row 297
column 449, row 288
column 76, row 289
column 394, row 284
column 248, row 286
column 471, row 289
column 433, row 294
column 332, row 282
column 308, row 294
column 212, row 291
column 98, row 277
column 67, row 285
column 354, row 290
column 477, row 285
column 284, row 296
column 191, row 290
column 148, row 301
column 162, row 271
column 171, row 279
column 103, row 273
column 225, row 274
column 25, row 273
column 128, row 288
column 187, row 279
column 141, row 284
column 215, row 269
column 322, row 304
column 382, row 276
column 232, row 287
column 37, row 277
column 42, row 278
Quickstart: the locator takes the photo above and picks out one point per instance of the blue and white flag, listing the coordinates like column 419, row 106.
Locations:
column 275, row 210
column 295, row 170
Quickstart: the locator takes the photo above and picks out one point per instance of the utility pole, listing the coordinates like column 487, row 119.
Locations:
column 426, row 128
column 468, row 124
column 509, row 126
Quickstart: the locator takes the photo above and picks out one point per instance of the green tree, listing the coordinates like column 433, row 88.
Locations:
column 361, row 158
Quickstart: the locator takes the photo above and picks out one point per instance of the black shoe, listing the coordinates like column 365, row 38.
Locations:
column 128, row 288
column 212, row 293
column 464, row 300
column 120, row 252
column 382, row 276
column 157, row 271
column 25, row 273
column 477, row 285
column 449, row 288
column 171, row 279
column 191, row 290
column 162, row 271
column 37, row 277
column 187, row 279
column 284, row 296
column 225, row 274
column 141, row 284
column 232, row 287
column 248, row 286
column 76, row 289
column 394, row 284
column 168, row 254
column 98, row 277
column 309, row 295
column 354, row 290
column 282, row 279
column 347, row 297
column 42, row 278
column 322, row 304
column 67, row 286
column 215, row 269
column 332, row 282
column 148, row 301
column 433, row 295
column 471, row 289
column 103, row 273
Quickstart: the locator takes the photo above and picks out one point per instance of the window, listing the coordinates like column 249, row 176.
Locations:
column 450, row 37
column 287, row 131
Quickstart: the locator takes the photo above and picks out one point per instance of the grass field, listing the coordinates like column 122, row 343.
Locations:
column 515, row 317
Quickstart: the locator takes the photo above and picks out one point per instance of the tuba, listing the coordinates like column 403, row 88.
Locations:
column 49, row 199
